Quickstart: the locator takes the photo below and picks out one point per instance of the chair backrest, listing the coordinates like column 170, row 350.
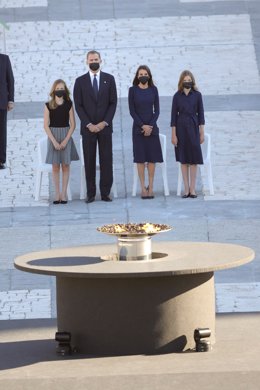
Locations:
column 206, row 148
column 163, row 145
column 42, row 150
column 81, row 155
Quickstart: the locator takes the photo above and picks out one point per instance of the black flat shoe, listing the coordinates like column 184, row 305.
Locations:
column 106, row 199
column 90, row 199
column 63, row 201
column 193, row 196
column 2, row 166
column 186, row 196
column 56, row 202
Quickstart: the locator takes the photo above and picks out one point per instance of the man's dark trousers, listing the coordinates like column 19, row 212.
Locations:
column 3, row 135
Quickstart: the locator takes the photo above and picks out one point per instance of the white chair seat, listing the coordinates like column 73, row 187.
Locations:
column 163, row 166
column 43, row 167
column 83, row 189
column 205, row 169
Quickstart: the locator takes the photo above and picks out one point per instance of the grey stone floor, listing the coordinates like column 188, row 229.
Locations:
column 30, row 361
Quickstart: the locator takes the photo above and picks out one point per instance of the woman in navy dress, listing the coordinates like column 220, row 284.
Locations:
column 187, row 121
column 144, row 108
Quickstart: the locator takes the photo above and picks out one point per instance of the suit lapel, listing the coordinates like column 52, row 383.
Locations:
column 89, row 87
column 102, row 84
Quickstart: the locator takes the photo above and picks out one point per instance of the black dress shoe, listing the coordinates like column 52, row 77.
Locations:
column 90, row 199
column 2, row 166
column 106, row 198
column 56, row 202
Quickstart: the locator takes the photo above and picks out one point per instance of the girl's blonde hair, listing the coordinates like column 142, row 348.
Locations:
column 52, row 102
column 182, row 76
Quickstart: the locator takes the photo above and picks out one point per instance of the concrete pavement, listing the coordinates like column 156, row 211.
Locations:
column 30, row 361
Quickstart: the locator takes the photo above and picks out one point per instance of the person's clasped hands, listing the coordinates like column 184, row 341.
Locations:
column 96, row 128
column 147, row 130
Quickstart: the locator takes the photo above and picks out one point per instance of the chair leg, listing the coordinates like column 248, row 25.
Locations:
column 135, row 174
column 179, row 185
column 69, row 191
column 165, row 180
column 205, row 170
column 210, row 180
column 38, row 185
column 114, row 189
column 82, row 184
column 114, row 186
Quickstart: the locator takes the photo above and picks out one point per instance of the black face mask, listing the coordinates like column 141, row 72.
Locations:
column 143, row 79
column 187, row 84
column 94, row 66
column 60, row 93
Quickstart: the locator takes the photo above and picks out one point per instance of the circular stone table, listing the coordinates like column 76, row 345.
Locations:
column 135, row 307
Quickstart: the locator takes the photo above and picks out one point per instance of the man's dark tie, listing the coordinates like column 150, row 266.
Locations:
column 95, row 86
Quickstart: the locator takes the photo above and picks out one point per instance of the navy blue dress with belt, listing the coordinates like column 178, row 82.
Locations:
column 187, row 115
column 144, row 109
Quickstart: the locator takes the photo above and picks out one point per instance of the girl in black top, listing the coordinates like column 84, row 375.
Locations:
column 187, row 121
column 59, row 124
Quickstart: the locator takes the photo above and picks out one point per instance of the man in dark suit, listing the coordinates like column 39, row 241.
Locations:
column 95, row 99
column 6, row 102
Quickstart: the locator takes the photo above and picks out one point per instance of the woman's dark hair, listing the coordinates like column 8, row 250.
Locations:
column 143, row 67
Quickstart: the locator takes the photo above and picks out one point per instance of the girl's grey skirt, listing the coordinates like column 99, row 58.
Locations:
column 64, row 156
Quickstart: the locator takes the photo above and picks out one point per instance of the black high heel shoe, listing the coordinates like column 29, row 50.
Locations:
column 149, row 196
column 56, row 202
column 185, row 196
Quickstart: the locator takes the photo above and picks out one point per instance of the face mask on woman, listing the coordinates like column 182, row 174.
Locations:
column 187, row 84
column 60, row 93
column 143, row 79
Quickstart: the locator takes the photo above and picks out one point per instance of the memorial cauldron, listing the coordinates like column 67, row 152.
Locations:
column 134, row 239
column 144, row 302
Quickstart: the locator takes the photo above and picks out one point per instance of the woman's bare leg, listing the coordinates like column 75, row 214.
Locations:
column 141, row 174
column 185, row 176
column 65, row 180
column 193, row 175
column 151, row 171
column 56, row 180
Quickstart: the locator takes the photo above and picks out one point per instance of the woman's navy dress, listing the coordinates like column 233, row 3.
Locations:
column 187, row 116
column 144, row 109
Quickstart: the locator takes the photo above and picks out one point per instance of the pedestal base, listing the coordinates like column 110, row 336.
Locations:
column 125, row 316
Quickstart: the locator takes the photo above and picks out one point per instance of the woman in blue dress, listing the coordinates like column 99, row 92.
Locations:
column 187, row 121
column 144, row 108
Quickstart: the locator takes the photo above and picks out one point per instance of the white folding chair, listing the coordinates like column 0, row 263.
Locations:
column 43, row 167
column 205, row 169
column 163, row 168
column 83, row 189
